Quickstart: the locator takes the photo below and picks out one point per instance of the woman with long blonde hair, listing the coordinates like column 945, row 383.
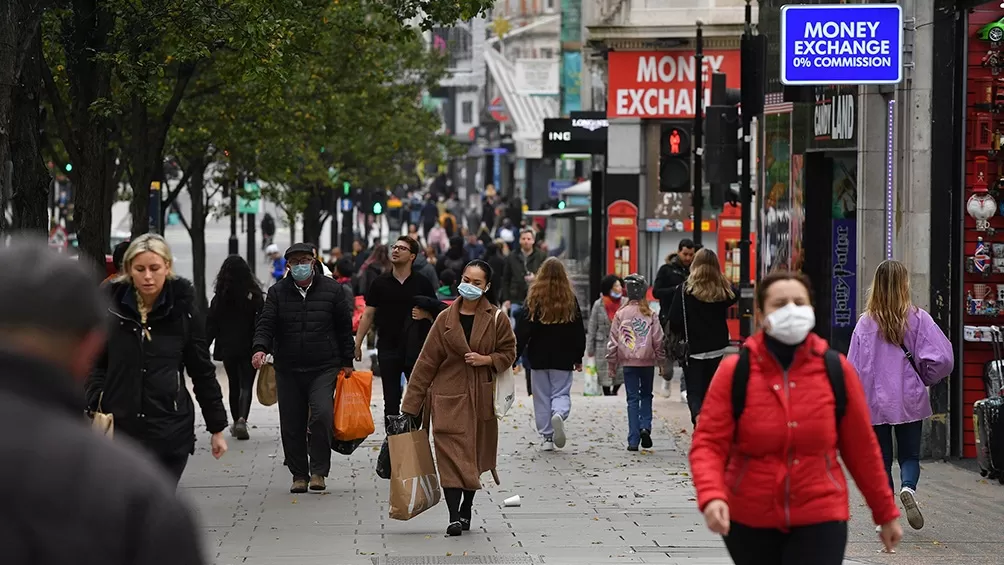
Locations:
column 155, row 328
column 551, row 316
column 705, row 299
column 898, row 352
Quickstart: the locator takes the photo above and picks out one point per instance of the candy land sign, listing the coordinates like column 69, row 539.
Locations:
column 841, row 44
column 662, row 84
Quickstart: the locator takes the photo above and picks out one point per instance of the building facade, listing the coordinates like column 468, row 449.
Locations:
column 639, row 67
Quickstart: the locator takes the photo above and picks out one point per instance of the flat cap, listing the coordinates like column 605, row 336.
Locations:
column 299, row 248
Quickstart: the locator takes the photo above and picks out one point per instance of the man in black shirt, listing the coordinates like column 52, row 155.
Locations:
column 390, row 304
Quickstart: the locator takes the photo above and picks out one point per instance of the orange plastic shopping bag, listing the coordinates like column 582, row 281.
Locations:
column 353, row 419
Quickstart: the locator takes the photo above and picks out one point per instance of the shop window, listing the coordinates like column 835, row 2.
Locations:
column 982, row 131
column 467, row 112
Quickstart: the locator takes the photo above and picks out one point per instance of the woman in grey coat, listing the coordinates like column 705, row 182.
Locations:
column 611, row 299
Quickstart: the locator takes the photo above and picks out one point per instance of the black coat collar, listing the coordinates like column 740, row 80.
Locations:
column 39, row 381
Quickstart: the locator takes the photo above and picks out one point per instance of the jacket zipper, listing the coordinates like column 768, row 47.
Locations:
column 142, row 355
column 787, row 476
column 177, row 393
column 829, row 473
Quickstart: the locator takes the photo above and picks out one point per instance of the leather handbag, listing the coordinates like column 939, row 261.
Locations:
column 103, row 423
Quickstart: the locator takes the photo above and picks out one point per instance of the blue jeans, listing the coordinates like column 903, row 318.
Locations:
column 908, row 451
column 638, row 385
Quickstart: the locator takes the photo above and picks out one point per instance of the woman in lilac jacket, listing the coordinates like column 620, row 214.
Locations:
column 898, row 352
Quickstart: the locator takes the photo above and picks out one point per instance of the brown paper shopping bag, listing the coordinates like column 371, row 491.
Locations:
column 414, row 484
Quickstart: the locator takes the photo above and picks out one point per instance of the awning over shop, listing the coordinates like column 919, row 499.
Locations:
column 527, row 112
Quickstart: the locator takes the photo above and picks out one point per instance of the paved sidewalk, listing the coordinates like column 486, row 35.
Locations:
column 591, row 503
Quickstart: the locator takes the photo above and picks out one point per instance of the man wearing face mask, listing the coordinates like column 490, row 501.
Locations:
column 307, row 326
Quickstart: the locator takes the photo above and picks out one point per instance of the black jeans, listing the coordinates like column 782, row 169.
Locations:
column 240, row 374
column 301, row 393
column 698, row 375
column 818, row 544
column 174, row 465
column 391, row 366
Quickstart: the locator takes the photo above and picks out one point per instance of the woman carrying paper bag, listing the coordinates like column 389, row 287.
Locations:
column 453, row 384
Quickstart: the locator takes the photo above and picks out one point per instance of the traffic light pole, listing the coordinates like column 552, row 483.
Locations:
column 252, row 243
column 746, row 199
column 234, row 247
column 697, row 142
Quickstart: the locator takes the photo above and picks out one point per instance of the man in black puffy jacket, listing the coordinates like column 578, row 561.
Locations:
column 307, row 326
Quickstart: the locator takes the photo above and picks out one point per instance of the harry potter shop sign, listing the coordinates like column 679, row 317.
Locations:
column 583, row 132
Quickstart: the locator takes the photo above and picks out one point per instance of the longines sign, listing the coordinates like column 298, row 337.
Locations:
column 584, row 132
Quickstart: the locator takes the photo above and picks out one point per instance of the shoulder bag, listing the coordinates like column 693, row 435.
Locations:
column 679, row 346
column 505, row 385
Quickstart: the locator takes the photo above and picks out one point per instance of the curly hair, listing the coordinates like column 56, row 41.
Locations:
column 235, row 281
column 550, row 299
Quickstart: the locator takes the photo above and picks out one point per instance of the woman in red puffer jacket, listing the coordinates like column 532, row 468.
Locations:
column 770, row 483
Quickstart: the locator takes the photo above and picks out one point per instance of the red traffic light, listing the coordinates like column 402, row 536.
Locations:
column 674, row 140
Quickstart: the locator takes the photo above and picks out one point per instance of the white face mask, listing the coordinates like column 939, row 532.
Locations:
column 791, row 324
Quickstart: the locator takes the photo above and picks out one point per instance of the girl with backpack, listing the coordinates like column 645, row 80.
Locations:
column 636, row 345
column 764, row 453
column 899, row 351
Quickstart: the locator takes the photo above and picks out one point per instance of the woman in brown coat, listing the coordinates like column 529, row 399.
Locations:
column 454, row 378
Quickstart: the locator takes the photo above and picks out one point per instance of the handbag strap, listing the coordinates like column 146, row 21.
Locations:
column 683, row 303
column 909, row 357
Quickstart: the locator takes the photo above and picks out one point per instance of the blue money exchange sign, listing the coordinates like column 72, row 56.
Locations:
column 842, row 44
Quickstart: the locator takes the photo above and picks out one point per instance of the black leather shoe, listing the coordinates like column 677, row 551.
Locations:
column 465, row 524
column 454, row 529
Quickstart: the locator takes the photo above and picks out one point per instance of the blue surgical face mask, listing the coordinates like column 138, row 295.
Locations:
column 301, row 272
column 469, row 291
column 615, row 295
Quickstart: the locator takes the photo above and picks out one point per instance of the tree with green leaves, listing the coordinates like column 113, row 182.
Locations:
column 118, row 71
column 351, row 101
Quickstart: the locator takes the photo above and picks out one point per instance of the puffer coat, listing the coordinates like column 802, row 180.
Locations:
column 139, row 379
column 306, row 334
column 597, row 335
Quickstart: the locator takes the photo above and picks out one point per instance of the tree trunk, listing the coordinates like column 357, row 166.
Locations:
column 150, row 127
column 31, row 179
column 291, row 218
column 197, row 190
column 86, row 135
column 312, row 220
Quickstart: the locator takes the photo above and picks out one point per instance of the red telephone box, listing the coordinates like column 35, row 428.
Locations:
column 622, row 238
column 729, row 233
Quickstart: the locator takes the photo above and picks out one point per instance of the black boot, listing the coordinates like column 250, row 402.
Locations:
column 453, row 498
column 466, row 509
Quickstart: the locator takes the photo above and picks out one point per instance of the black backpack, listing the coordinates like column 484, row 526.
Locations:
column 834, row 370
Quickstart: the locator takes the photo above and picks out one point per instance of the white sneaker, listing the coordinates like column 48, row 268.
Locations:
column 683, row 396
column 559, row 430
column 913, row 515
column 548, row 445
